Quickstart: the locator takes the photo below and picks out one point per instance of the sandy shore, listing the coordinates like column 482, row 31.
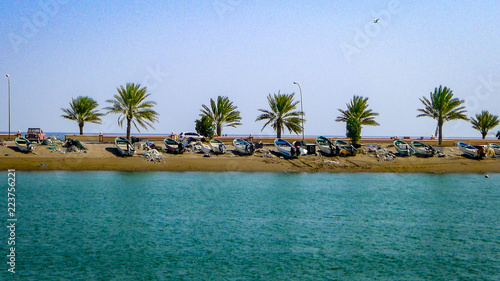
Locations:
column 104, row 157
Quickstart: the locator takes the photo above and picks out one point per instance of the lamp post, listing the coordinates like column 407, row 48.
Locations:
column 8, row 79
column 301, row 109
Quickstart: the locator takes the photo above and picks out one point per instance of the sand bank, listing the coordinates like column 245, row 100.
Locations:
column 104, row 157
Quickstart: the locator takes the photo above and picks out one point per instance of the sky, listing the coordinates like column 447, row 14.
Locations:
column 187, row 52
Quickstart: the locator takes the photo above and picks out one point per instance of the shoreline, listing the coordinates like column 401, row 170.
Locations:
column 104, row 157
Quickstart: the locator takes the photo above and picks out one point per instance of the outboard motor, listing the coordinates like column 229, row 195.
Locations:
column 180, row 148
column 222, row 148
column 252, row 148
column 298, row 152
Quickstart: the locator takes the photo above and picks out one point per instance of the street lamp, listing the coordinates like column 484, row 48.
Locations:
column 301, row 109
column 8, row 79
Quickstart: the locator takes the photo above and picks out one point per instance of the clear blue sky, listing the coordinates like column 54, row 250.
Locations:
column 187, row 52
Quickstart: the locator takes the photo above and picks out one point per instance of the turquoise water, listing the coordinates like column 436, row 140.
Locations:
column 247, row 226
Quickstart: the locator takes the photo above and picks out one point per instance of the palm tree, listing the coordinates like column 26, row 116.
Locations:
column 281, row 114
column 484, row 122
column 357, row 109
column 131, row 103
column 222, row 114
column 83, row 109
column 442, row 107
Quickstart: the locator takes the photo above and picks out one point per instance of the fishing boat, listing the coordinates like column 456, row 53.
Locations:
column 243, row 147
column 218, row 146
column 301, row 145
column 403, row 148
column 496, row 148
column 173, row 146
column 24, row 145
column 124, row 146
column 326, row 146
column 345, row 148
column 422, row 149
column 469, row 150
column 285, row 148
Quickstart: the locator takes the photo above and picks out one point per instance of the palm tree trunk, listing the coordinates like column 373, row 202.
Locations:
column 484, row 134
column 219, row 130
column 81, row 128
column 278, row 131
column 440, row 125
column 128, row 128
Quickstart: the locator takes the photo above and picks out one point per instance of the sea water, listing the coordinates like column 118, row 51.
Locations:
column 247, row 226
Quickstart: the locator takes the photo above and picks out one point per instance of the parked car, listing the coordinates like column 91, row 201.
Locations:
column 35, row 134
column 186, row 135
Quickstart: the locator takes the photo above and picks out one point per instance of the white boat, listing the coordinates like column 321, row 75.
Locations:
column 124, row 146
column 468, row 150
column 422, row 149
column 496, row 148
column 243, row 147
column 285, row 148
column 345, row 148
column 326, row 146
column 218, row 146
column 403, row 148
column 24, row 145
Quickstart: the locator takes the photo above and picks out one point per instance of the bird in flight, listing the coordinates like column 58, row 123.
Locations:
column 375, row 20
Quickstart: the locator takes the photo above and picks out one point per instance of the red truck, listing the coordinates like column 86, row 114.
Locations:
column 35, row 134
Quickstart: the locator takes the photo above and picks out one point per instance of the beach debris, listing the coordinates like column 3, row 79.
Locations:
column 486, row 176
column 261, row 152
column 72, row 148
column 6, row 154
column 43, row 165
column 383, row 154
column 72, row 142
column 47, row 142
column 331, row 162
column 35, row 153
column 152, row 155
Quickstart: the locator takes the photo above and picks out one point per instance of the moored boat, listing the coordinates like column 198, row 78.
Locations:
column 243, row 147
column 403, row 148
column 124, row 146
column 422, row 149
column 496, row 148
column 468, row 150
column 285, row 148
column 345, row 148
column 24, row 145
column 326, row 146
column 218, row 146
column 173, row 146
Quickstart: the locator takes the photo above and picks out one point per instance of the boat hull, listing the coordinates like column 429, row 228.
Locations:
column 468, row 150
column 173, row 146
column 286, row 149
column 496, row 148
column 24, row 145
column 243, row 147
column 346, row 149
column 218, row 147
column 422, row 149
column 403, row 148
column 326, row 146
column 124, row 146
